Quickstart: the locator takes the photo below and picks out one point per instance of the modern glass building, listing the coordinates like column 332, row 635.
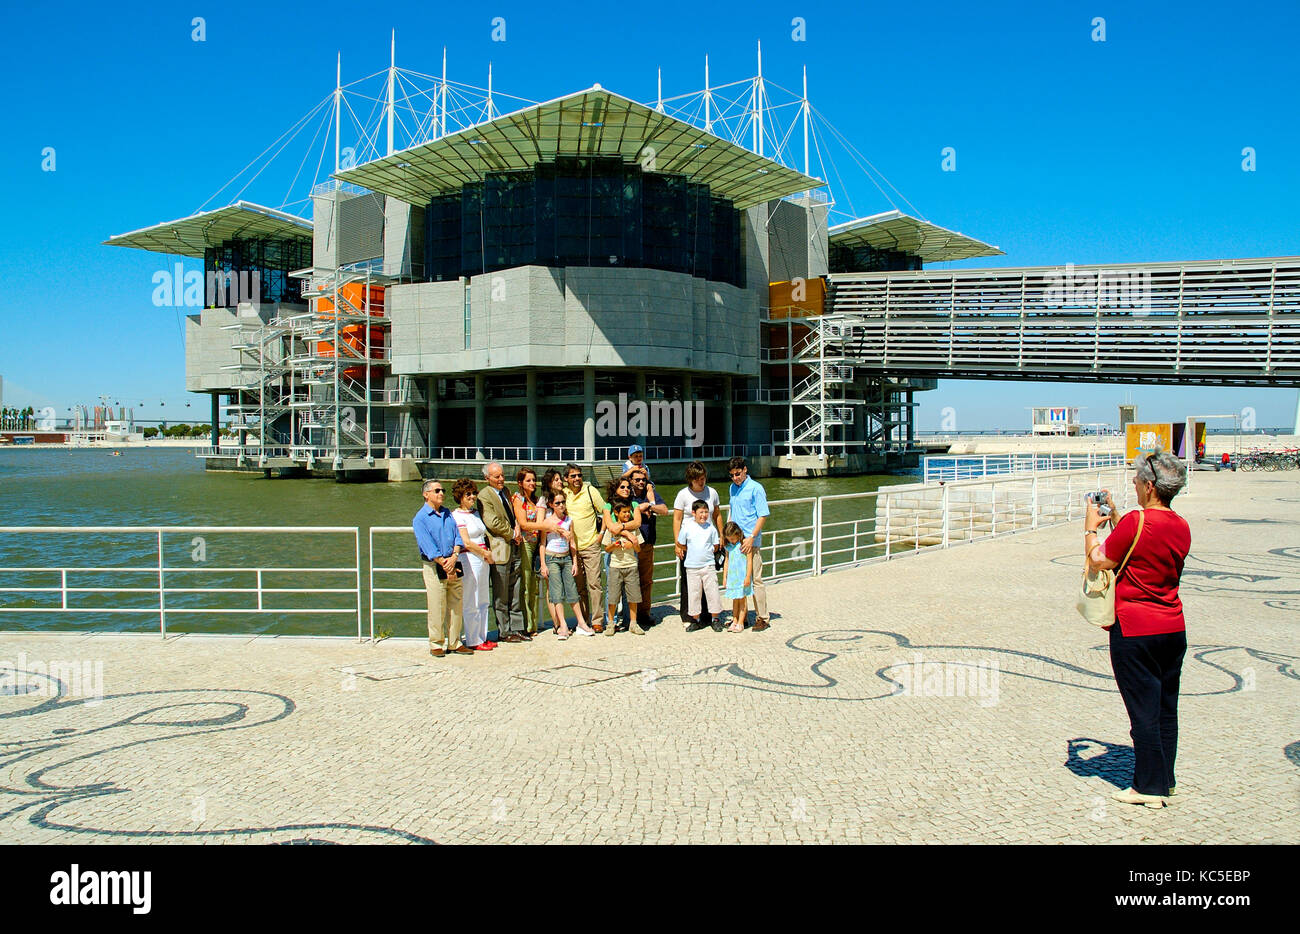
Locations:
column 496, row 291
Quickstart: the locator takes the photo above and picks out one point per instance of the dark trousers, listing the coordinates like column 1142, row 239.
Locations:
column 506, row 607
column 706, row 618
column 1147, row 669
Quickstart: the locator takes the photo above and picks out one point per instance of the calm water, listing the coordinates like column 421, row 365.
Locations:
column 169, row 487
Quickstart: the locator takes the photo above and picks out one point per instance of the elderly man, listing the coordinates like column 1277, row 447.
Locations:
column 585, row 506
column 749, row 511
column 503, row 539
column 438, row 537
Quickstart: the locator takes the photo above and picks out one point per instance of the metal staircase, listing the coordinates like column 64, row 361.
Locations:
column 316, row 382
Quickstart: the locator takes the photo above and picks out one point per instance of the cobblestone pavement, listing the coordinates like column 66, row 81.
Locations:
column 794, row 734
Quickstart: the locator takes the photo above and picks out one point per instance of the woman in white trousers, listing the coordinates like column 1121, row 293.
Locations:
column 474, row 562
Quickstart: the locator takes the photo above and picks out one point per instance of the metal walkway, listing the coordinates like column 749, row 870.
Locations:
column 1218, row 323
column 1213, row 323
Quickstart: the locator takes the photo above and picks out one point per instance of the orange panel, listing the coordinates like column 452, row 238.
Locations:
column 355, row 293
column 797, row 298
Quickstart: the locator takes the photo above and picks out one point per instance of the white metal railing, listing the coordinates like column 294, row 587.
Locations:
column 803, row 537
column 246, row 585
column 950, row 467
column 599, row 454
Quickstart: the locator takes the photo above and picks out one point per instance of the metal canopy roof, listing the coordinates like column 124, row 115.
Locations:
column 190, row 235
column 594, row 122
column 894, row 230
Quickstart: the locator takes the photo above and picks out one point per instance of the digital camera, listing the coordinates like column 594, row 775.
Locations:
column 1100, row 499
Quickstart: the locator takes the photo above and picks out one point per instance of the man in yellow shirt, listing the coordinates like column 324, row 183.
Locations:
column 585, row 507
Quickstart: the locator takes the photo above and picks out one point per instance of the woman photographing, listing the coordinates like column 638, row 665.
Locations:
column 1148, row 640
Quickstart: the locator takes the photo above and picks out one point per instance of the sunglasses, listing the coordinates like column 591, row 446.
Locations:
column 436, row 489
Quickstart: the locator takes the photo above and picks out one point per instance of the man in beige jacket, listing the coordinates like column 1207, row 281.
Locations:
column 503, row 539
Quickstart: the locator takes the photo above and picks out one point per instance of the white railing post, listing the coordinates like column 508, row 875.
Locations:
column 162, row 600
column 1033, row 499
column 943, row 517
column 817, row 535
column 888, row 532
column 993, row 510
column 259, row 590
column 356, row 579
column 370, row 563
column 64, row 586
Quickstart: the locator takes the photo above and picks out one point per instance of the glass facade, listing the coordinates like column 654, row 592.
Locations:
column 583, row 212
column 869, row 259
column 232, row 268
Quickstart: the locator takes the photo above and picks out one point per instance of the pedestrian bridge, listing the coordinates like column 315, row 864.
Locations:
column 1228, row 322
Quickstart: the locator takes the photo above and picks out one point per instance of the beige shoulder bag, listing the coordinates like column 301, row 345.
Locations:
column 1096, row 602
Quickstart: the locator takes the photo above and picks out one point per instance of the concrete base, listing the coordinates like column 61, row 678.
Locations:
column 354, row 469
column 401, row 469
column 852, row 464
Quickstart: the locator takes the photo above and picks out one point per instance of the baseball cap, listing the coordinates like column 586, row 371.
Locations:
column 635, row 449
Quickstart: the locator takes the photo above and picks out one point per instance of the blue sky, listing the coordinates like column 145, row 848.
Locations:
column 1068, row 150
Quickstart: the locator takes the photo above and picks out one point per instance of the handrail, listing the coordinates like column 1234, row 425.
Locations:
column 158, row 568
column 806, row 536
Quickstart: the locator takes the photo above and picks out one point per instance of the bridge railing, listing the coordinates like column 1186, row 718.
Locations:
column 1215, row 322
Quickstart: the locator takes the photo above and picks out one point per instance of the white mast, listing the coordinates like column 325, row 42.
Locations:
column 442, row 129
column 338, row 96
column 392, row 74
column 489, row 100
column 805, row 119
column 708, row 99
column 758, row 106
column 660, row 105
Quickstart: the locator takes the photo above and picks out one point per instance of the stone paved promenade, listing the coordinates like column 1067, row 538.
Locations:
column 795, row 734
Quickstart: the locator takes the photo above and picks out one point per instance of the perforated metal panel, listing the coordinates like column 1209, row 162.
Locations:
column 361, row 229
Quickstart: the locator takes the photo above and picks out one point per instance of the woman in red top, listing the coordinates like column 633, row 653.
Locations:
column 1148, row 640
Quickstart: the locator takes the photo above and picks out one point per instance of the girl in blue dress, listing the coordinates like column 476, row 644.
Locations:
column 738, row 572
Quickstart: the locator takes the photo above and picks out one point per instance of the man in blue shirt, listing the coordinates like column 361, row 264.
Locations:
column 438, row 536
column 748, row 509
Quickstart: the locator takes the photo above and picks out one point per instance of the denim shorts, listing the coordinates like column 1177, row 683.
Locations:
column 560, row 586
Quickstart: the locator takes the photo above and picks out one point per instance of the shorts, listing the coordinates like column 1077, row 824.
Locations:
column 560, row 586
column 624, row 582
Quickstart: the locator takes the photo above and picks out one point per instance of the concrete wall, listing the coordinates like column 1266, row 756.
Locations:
column 208, row 348
column 538, row 316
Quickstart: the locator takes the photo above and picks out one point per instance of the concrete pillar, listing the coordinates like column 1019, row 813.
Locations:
column 480, row 414
column 431, row 394
column 640, row 397
column 728, row 429
column 911, row 420
column 688, row 389
column 530, row 397
column 589, row 414
column 216, row 419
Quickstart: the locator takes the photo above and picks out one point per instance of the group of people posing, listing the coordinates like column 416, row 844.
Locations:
column 508, row 560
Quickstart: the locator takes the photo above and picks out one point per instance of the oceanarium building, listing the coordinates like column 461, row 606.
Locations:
column 515, row 288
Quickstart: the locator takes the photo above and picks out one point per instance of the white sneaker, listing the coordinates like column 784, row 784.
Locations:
column 583, row 632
